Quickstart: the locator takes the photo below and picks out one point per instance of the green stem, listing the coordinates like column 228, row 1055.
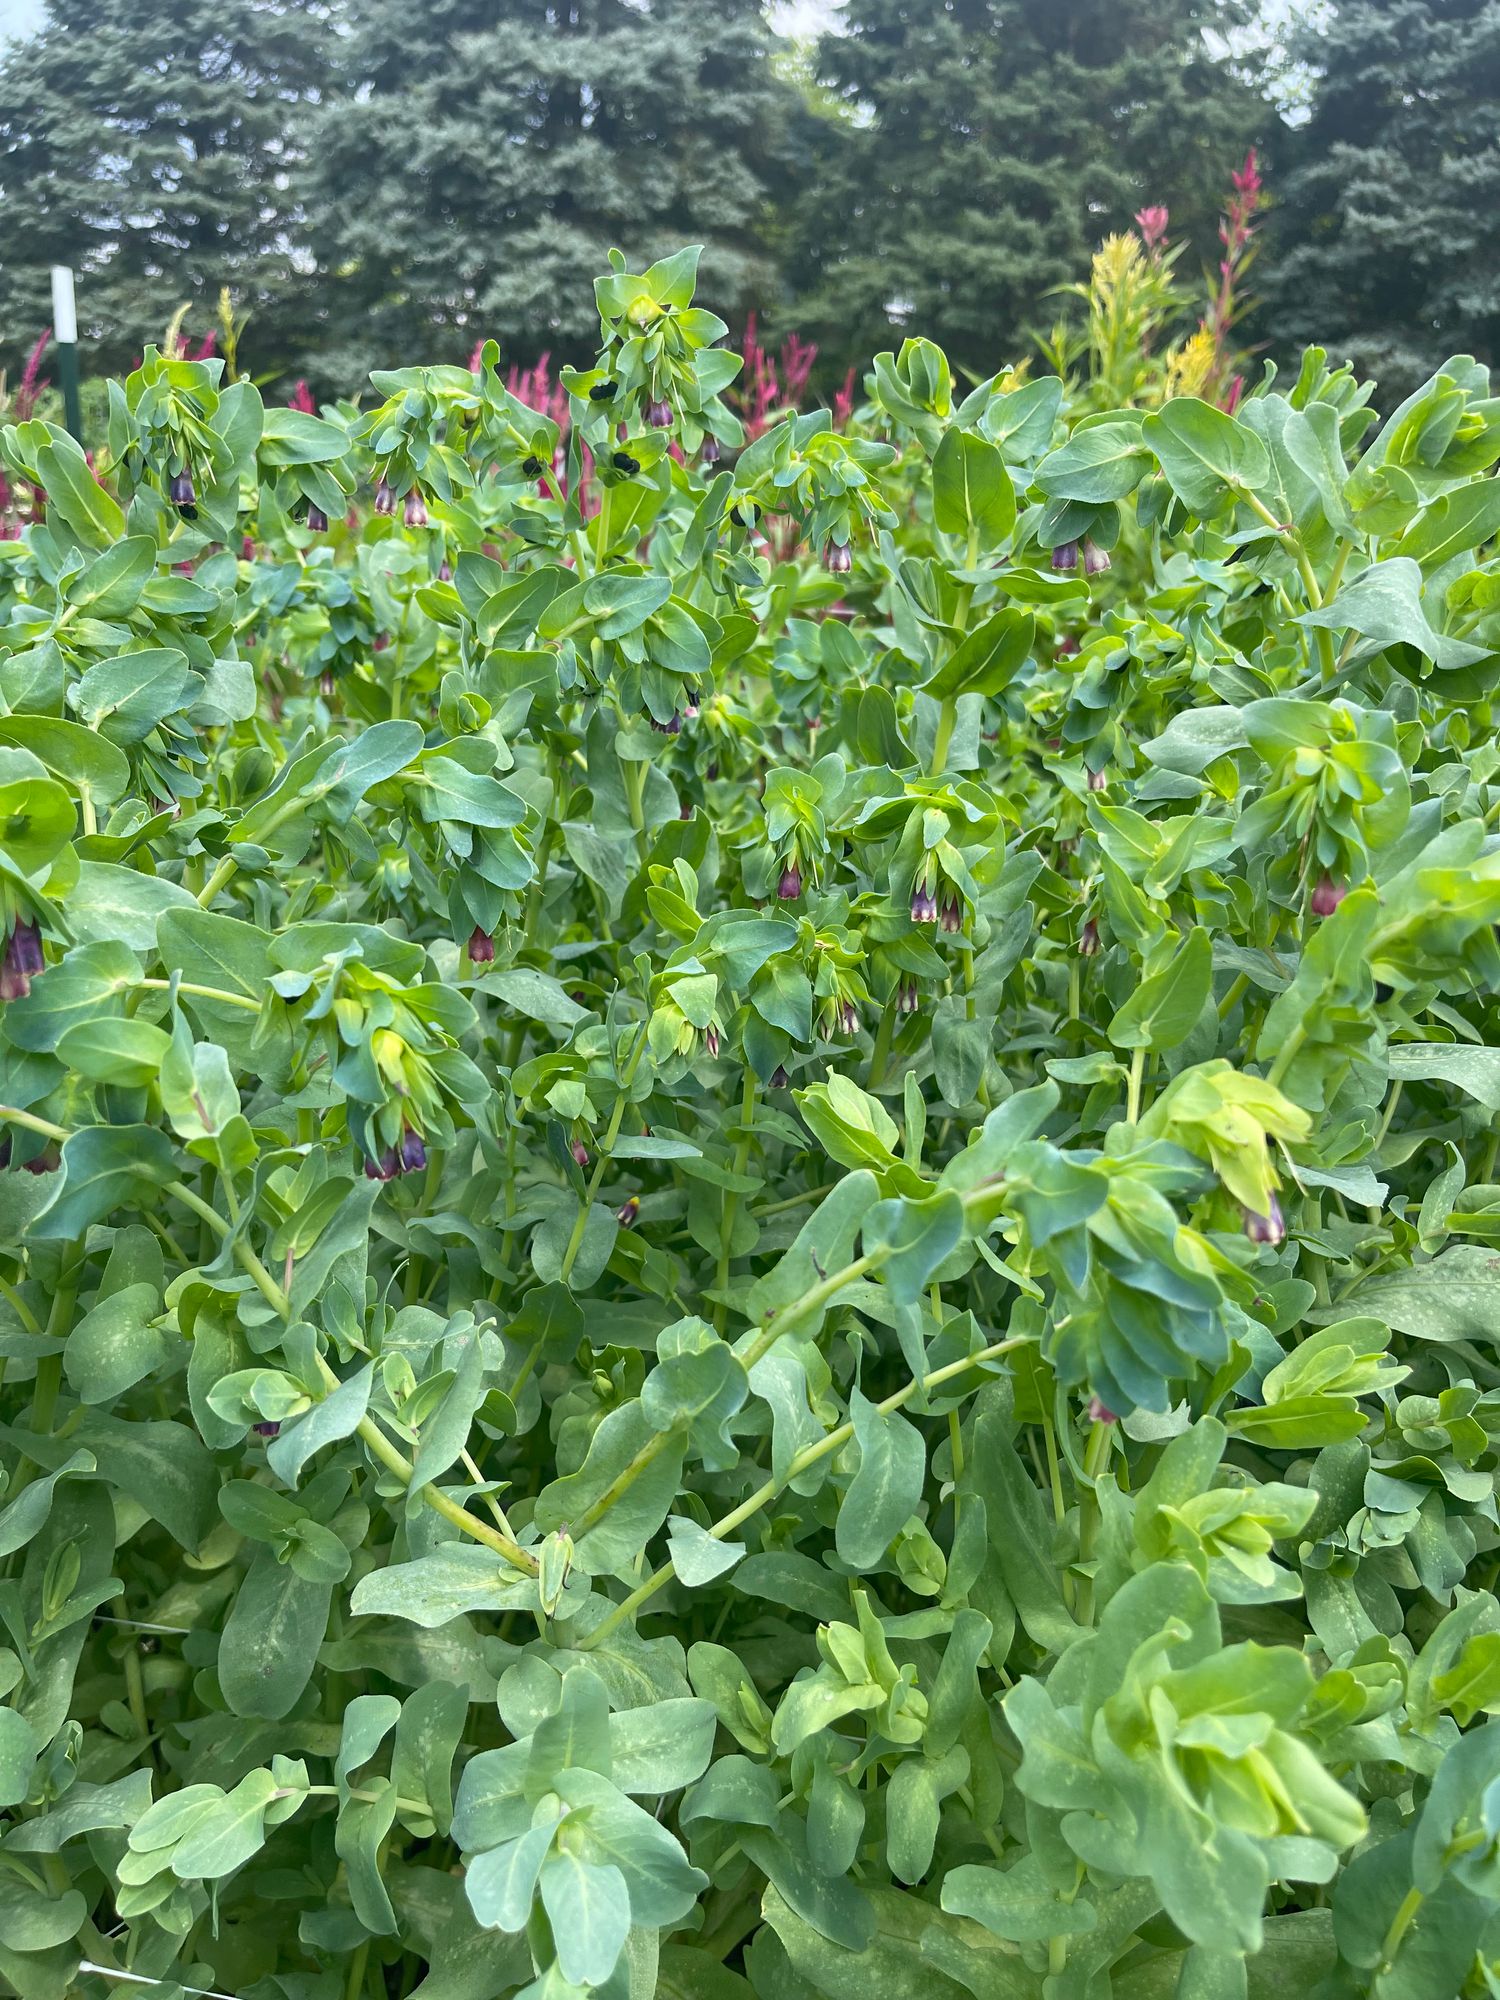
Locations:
column 797, row 1465
column 1137, row 1072
column 215, row 993
column 1401, row 1923
column 732, row 1199
column 942, row 736
column 221, row 875
column 880, row 1053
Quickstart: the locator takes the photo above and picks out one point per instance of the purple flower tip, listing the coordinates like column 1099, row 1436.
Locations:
column 1327, row 896
column 1268, row 1228
column 789, row 888
column 413, row 1152
column 659, row 414
column 481, row 947
column 838, row 558
column 385, row 497
column 317, row 520
column 181, row 491
column 1065, row 556
column 415, row 512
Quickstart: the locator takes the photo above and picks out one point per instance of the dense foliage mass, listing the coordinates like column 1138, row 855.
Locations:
column 746, row 1242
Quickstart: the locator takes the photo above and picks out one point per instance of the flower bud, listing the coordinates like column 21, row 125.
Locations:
column 838, row 558
column 789, row 888
column 326, row 685
column 22, row 961
column 481, row 947
column 952, row 914
column 580, row 1153
column 413, row 1152
column 849, row 1018
column 711, row 1039
column 414, row 514
column 1327, row 896
column 685, row 810
column 923, row 906
column 672, row 728
column 385, row 497
column 1098, row 780
column 385, row 1168
column 907, row 997
column 659, row 414
column 1065, row 556
column 247, row 549
column 1100, row 1412
column 779, row 1077
column 711, row 451
column 1268, row 1228
column 181, row 492
column 268, row 1428
column 690, row 708
column 1066, row 647
column 1088, row 940
column 445, row 571
column 1095, row 559
column 317, row 520
column 627, row 1212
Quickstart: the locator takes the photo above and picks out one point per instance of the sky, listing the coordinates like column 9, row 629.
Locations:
column 16, row 16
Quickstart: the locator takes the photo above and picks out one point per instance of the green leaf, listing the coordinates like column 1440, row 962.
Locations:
column 589, row 1910
column 1164, row 1009
column 1205, row 454
column 885, row 1491
column 116, row 1345
column 971, row 489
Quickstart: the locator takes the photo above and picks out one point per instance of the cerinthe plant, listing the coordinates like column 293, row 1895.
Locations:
column 727, row 1275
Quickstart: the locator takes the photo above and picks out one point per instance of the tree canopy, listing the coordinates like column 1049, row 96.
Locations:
column 162, row 152
column 372, row 182
column 1389, row 194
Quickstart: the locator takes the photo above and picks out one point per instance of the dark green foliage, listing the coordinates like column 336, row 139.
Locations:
column 159, row 149
column 481, row 162
column 989, row 144
column 1386, row 246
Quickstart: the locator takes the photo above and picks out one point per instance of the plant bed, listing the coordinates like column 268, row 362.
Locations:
column 747, row 1243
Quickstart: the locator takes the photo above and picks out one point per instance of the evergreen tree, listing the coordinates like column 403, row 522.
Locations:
column 1386, row 247
column 496, row 149
column 156, row 148
column 986, row 146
